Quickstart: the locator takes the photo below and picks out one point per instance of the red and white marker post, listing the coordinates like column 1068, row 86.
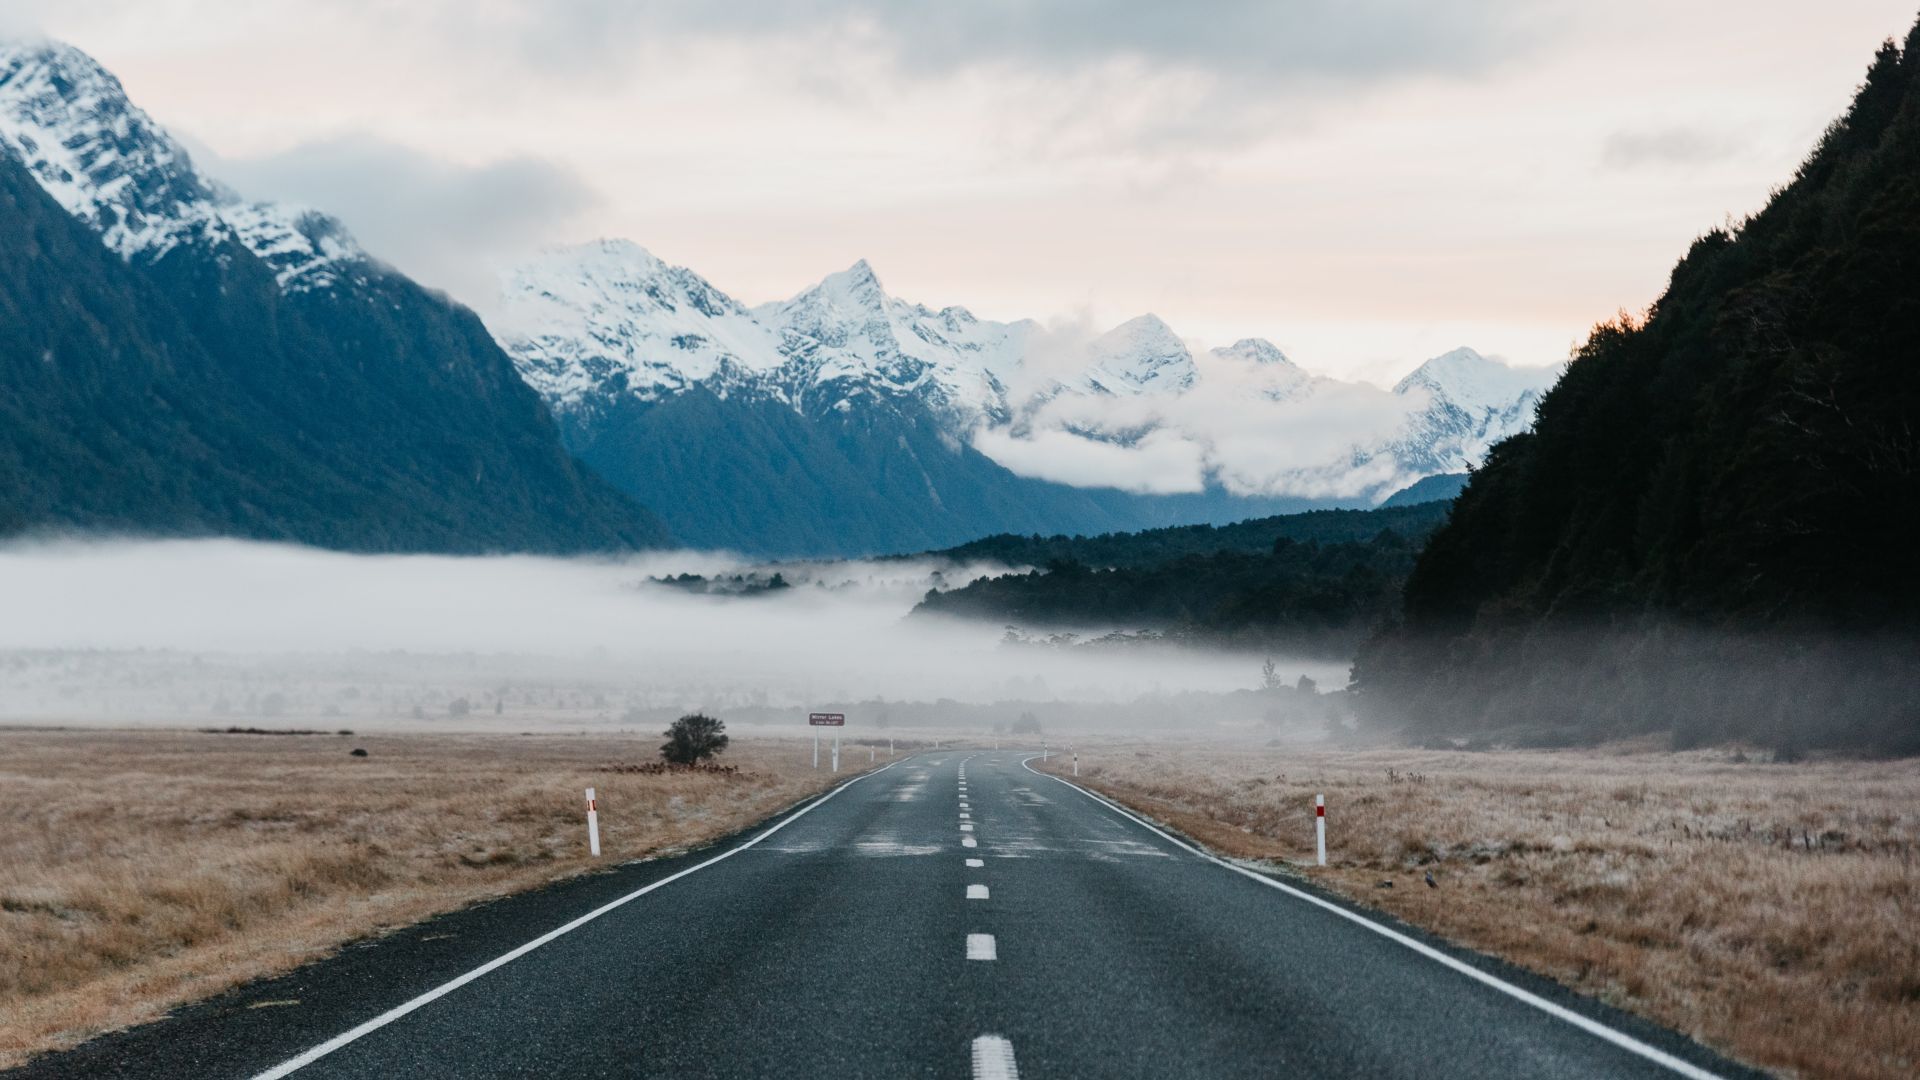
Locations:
column 1320, row 828
column 593, row 824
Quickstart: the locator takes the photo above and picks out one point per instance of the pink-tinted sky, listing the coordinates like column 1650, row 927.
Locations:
column 1366, row 183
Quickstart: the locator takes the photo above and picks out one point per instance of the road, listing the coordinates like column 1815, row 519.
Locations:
column 955, row 915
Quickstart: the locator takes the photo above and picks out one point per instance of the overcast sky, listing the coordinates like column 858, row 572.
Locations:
column 1365, row 182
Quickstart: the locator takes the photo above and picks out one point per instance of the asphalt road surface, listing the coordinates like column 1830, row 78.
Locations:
column 954, row 915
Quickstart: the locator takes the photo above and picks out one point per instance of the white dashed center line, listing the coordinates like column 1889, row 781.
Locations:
column 964, row 815
column 976, row 892
column 980, row 947
column 976, row 863
column 993, row 1059
column 966, row 826
column 968, row 841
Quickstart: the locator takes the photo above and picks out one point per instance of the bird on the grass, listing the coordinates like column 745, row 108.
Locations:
column 1431, row 884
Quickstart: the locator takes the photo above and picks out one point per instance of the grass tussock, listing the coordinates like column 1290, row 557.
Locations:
column 142, row 870
column 1769, row 910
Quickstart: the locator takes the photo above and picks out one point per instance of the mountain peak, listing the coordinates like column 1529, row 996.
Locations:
column 1256, row 351
column 1471, row 380
column 103, row 159
column 857, row 283
column 107, row 163
column 1140, row 356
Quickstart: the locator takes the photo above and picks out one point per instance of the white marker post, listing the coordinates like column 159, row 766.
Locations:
column 870, row 755
column 593, row 824
column 1076, row 761
column 836, row 750
column 889, row 746
column 816, row 749
column 1043, row 751
column 1320, row 828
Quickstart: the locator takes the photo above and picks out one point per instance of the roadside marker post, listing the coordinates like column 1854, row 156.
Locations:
column 593, row 824
column 1076, row 761
column 836, row 751
column 1043, row 751
column 1320, row 828
column 816, row 749
column 870, row 755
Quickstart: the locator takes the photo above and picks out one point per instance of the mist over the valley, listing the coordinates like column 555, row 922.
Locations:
column 226, row 632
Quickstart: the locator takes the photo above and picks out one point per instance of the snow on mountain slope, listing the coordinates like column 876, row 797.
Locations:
column 1266, row 370
column 1141, row 356
column 847, row 336
column 1470, row 403
column 106, row 161
column 610, row 313
column 589, row 324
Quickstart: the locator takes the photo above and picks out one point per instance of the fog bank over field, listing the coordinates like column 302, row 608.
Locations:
column 188, row 630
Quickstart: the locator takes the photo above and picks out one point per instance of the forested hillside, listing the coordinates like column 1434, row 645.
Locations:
column 1710, row 529
column 1152, row 546
column 193, row 397
column 1313, row 583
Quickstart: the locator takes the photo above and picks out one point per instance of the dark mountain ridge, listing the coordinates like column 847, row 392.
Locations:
column 1710, row 528
column 185, row 390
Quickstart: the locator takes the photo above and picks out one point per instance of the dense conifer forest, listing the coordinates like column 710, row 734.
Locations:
column 1710, row 528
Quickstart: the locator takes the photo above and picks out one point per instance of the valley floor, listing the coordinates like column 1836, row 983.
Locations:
column 141, row 870
column 1769, row 910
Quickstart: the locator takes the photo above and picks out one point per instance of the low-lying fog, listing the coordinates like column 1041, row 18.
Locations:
column 221, row 631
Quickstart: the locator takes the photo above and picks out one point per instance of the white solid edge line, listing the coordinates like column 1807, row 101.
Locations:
column 316, row 1053
column 1560, row 1012
column 993, row 1059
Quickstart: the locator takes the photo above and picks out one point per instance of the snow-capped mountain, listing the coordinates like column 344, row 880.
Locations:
column 596, row 324
column 1471, row 403
column 182, row 361
column 846, row 337
column 1140, row 357
column 610, row 317
column 108, row 164
column 841, row 420
column 1266, row 369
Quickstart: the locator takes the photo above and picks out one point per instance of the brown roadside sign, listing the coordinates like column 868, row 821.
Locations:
column 827, row 719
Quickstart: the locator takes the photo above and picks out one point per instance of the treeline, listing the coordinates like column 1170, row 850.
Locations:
column 1710, row 528
column 1308, row 597
column 1157, row 546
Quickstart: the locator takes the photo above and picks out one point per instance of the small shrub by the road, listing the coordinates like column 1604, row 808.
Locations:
column 694, row 738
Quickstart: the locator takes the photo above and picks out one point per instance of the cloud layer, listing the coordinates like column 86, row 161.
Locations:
column 442, row 222
column 846, row 640
column 1224, row 432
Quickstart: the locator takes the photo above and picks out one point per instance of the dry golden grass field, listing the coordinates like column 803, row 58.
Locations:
column 1770, row 910
column 139, row 870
